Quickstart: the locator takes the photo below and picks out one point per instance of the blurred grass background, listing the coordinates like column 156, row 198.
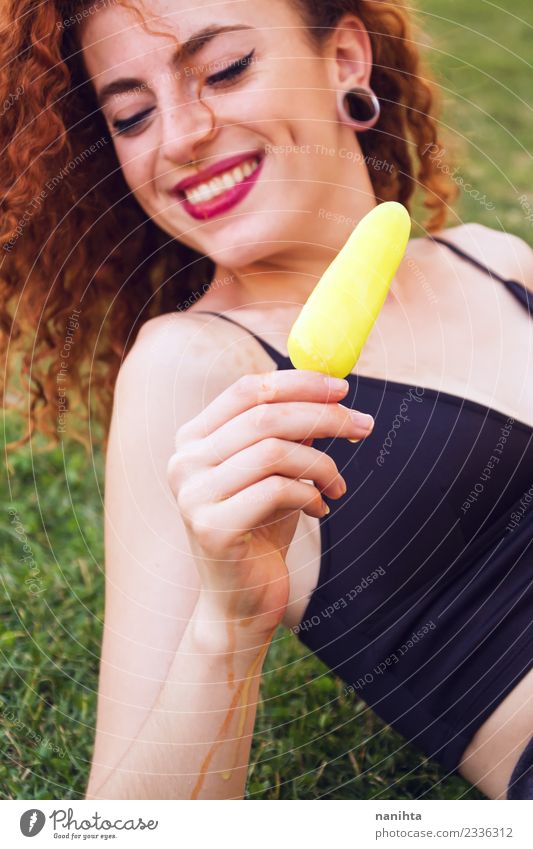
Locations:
column 311, row 741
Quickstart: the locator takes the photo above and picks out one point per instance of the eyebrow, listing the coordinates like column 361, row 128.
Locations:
column 186, row 50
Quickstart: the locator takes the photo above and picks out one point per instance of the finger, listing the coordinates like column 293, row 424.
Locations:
column 293, row 421
column 253, row 389
column 272, row 457
column 220, row 526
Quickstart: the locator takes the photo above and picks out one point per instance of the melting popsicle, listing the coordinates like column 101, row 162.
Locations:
column 339, row 314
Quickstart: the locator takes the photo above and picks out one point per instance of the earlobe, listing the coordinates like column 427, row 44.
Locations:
column 358, row 108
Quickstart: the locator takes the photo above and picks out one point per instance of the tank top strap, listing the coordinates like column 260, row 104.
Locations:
column 517, row 289
column 279, row 359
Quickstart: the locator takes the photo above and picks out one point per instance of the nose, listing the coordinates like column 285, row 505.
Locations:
column 185, row 125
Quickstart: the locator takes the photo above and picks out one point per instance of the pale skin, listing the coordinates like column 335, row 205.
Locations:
column 207, row 443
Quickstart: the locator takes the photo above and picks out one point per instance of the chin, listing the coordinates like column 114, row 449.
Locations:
column 239, row 247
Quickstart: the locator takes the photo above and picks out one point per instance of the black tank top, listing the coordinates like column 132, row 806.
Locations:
column 424, row 600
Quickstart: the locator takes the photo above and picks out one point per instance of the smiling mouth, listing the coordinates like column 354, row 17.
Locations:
column 223, row 182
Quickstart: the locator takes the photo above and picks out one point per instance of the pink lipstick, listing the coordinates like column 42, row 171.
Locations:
column 200, row 205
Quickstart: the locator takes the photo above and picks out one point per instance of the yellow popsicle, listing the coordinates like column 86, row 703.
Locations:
column 335, row 321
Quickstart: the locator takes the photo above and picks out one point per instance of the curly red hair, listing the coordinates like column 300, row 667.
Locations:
column 82, row 265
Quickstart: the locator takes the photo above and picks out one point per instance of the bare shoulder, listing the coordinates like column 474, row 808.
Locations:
column 184, row 333
column 505, row 253
column 184, row 360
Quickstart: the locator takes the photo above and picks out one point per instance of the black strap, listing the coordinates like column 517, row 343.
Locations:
column 517, row 289
column 278, row 358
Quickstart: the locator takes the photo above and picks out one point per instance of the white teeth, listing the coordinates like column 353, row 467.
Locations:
column 203, row 193
column 221, row 183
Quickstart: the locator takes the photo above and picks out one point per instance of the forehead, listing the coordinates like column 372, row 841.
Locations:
column 114, row 27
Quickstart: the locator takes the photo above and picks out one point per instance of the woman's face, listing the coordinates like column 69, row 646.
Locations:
column 275, row 110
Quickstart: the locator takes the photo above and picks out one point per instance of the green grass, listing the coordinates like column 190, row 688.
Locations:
column 311, row 740
column 51, row 611
column 479, row 53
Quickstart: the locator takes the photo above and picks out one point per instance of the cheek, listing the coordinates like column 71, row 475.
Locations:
column 134, row 167
column 310, row 111
column 284, row 89
column 141, row 186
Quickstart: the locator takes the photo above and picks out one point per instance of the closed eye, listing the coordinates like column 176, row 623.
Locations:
column 126, row 125
column 232, row 71
column 123, row 126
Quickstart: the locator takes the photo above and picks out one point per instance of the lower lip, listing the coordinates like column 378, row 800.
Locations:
column 220, row 204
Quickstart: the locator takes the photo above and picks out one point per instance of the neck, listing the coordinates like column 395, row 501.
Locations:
column 287, row 278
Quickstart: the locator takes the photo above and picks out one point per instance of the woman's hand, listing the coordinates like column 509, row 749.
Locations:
column 237, row 477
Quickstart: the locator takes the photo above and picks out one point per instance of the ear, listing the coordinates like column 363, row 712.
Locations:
column 350, row 52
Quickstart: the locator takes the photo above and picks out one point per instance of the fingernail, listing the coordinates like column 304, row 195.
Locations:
column 326, row 510
column 336, row 384
column 354, row 440
column 362, row 420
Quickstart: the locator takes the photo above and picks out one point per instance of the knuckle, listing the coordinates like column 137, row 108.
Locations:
column 174, row 471
column 199, row 526
column 276, row 486
column 347, row 420
column 182, row 501
column 340, row 417
column 198, row 452
column 331, row 465
column 259, row 387
column 263, row 418
column 272, row 451
column 182, row 464
column 182, row 435
column 198, row 488
column 245, row 385
column 268, row 388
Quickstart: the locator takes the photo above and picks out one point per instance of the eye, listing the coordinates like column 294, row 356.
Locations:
column 127, row 125
column 123, row 127
column 232, row 71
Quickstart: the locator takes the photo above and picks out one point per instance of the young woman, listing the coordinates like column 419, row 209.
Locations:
column 201, row 167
